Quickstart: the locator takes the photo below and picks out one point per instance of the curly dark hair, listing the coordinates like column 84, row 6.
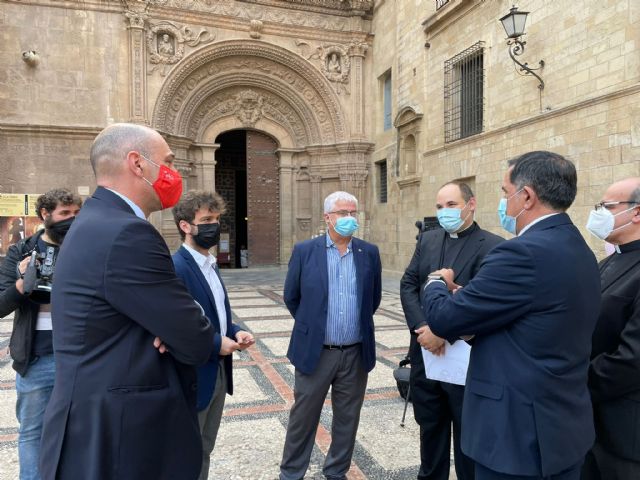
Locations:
column 58, row 196
column 191, row 202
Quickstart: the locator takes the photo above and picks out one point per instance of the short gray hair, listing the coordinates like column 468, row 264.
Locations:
column 114, row 142
column 330, row 201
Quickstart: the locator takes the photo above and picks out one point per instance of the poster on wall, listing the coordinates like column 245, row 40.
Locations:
column 18, row 218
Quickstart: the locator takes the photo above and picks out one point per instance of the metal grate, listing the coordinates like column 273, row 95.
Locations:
column 464, row 93
column 382, row 181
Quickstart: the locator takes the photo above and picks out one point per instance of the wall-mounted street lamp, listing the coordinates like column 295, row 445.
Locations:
column 513, row 23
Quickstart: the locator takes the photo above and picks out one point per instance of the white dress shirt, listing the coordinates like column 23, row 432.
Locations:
column 207, row 266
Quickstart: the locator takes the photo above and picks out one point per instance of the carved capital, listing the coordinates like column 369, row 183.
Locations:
column 136, row 19
column 358, row 49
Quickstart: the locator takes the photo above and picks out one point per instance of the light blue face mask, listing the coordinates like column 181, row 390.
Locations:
column 450, row 220
column 507, row 221
column 346, row 226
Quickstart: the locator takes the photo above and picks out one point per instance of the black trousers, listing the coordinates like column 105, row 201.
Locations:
column 601, row 464
column 436, row 406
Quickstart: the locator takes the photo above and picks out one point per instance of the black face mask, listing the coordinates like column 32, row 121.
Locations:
column 57, row 231
column 208, row 235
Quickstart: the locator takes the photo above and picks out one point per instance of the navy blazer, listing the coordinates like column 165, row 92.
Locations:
column 533, row 307
column 120, row 408
column 306, row 294
column 189, row 272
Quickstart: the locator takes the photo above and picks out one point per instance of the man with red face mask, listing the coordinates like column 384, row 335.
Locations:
column 128, row 334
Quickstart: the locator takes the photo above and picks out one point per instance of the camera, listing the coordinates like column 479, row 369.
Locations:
column 38, row 278
column 428, row 223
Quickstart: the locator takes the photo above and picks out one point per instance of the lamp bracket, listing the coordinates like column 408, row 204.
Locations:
column 516, row 48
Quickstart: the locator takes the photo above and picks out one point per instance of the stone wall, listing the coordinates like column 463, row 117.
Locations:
column 588, row 110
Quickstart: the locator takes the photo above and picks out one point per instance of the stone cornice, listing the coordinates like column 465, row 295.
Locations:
column 334, row 7
column 49, row 130
column 223, row 15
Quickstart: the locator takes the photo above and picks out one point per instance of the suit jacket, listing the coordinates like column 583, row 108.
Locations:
column 189, row 272
column 614, row 374
column 120, row 408
column 533, row 307
column 426, row 259
column 306, row 294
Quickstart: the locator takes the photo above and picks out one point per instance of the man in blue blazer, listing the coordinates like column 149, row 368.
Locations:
column 332, row 289
column 127, row 332
column 197, row 217
column 532, row 307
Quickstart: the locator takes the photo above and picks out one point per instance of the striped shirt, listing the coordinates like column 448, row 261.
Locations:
column 343, row 314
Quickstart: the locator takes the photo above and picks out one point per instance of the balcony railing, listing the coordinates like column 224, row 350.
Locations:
column 440, row 4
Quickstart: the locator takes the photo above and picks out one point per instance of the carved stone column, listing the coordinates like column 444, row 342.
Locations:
column 287, row 213
column 317, row 207
column 137, row 64
column 206, row 169
column 357, row 52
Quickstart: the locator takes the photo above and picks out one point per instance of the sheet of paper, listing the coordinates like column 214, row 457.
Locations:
column 450, row 367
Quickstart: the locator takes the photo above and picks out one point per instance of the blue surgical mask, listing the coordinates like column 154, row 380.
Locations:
column 346, row 226
column 507, row 221
column 450, row 218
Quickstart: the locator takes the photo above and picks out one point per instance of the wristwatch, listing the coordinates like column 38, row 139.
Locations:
column 435, row 277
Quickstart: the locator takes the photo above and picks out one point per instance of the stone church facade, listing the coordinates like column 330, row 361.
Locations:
column 277, row 103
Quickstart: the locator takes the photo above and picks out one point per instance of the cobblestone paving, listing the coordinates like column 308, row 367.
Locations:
column 252, row 433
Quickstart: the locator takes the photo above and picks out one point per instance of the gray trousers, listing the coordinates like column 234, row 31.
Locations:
column 209, row 420
column 342, row 371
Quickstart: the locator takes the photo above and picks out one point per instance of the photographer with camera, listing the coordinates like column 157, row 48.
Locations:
column 26, row 276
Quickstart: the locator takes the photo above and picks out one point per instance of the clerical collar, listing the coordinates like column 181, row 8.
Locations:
column 467, row 231
column 629, row 247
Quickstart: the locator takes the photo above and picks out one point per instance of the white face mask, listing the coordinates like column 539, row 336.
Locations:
column 601, row 222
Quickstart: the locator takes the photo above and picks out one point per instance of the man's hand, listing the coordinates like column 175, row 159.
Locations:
column 428, row 340
column 22, row 267
column 228, row 346
column 244, row 339
column 162, row 348
column 448, row 275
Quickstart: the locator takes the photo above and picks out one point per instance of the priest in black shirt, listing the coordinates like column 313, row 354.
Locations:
column 31, row 345
column 461, row 245
column 614, row 372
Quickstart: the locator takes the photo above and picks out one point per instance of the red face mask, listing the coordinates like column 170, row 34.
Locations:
column 168, row 185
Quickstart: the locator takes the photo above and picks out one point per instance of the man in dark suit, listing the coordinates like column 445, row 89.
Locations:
column 614, row 374
column 332, row 289
column 532, row 306
column 127, row 331
column 197, row 216
column 460, row 245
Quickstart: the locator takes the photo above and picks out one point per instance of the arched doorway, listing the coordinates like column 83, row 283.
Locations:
column 247, row 177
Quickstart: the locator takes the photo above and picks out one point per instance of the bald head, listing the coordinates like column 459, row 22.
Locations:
column 110, row 148
column 629, row 188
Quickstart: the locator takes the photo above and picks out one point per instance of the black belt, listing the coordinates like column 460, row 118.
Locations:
column 340, row 347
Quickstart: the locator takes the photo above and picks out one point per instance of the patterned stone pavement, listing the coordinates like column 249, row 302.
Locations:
column 252, row 433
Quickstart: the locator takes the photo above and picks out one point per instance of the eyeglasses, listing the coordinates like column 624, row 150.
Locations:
column 344, row 213
column 610, row 205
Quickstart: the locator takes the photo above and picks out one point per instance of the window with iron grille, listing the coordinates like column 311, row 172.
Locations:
column 382, row 181
column 463, row 93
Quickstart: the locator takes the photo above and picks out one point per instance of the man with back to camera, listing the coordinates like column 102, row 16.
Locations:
column 31, row 346
column 197, row 216
column 614, row 373
column 532, row 306
column 460, row 245
column 128, row 333
column 332, row 289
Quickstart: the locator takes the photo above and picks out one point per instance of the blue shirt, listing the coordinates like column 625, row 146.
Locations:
column 343, row 314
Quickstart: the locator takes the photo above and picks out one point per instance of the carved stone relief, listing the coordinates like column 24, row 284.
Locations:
column 165, row 44
column 248, row 107
column 255, row 28
column 273, row 69
column 225, row 103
